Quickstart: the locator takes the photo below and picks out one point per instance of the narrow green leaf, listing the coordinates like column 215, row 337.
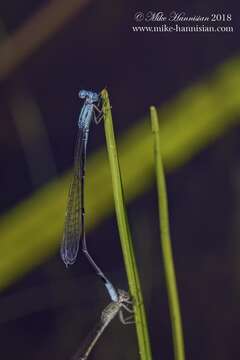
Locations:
column 176, row 322
column 125, row 236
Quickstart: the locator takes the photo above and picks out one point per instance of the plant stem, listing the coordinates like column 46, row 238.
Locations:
column 124, row 232
column 168, row 262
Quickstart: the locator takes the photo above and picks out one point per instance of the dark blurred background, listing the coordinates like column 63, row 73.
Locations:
column 47, row 313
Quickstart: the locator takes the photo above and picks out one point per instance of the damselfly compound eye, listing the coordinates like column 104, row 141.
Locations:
column 82, row 94
column 95, row 97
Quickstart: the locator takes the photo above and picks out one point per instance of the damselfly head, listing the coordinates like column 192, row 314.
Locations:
column 123, row 295
column 90, row 95
column 93, row 97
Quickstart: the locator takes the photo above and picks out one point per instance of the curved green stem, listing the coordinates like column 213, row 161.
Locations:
column 125, row 236
column 168, row 262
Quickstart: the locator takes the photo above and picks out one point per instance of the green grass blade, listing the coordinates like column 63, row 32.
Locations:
column 178, row 341
column 125, row 236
